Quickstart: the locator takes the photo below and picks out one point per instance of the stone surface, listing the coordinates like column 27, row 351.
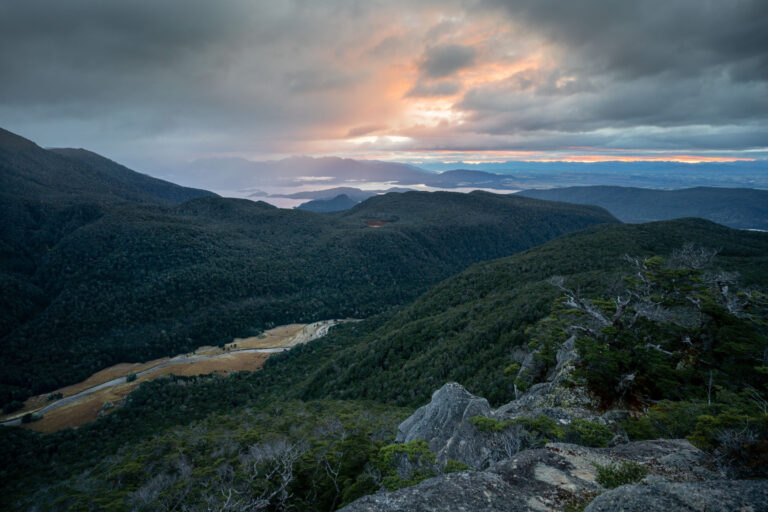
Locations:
column 712, row 496
column 443, row 424
column 545, row 479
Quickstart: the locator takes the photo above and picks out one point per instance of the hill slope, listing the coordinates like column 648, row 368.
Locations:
column 466, row 329
column 741, row 208
column 336, row 204
column 28, row 171
column 89, row 283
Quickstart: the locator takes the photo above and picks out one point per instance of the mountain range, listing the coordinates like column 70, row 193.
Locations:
column 512, row 351
column 112, row 267
column 742, row 208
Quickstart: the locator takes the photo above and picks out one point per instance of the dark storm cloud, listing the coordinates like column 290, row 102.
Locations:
column 648, row 37
column 445, row 60
column 631, row 64
column 188, row 78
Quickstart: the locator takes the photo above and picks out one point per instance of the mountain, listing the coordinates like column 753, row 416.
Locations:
column 28, row 171
column 333, row 402
column 100, row 273
column 470, row 178
column 655, row 174
column 466, row 327
column 355, row 194
column 338, row 203
column 238, row 173
column 741, row 208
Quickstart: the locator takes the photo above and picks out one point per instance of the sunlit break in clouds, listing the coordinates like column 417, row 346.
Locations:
column 152, row 83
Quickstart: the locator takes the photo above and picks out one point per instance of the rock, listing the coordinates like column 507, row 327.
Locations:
column 466, row 491
column 443, row 424
column 713, row 496
column 544, row 479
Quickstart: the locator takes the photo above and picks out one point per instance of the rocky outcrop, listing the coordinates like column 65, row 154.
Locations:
column 549, row 479
column 443, row 424
column 724, row 495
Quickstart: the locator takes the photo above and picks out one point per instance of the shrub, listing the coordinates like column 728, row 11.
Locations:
column 587, row 433
column 12, row 406
column 640, row 429
column 454, row 466
column 130, row 377
column 485, row 424
column 543, row 426
column 406, row 464
column 613, row 475
column 30, row 417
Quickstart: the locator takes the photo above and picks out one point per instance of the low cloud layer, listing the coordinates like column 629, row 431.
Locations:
column 151, row 83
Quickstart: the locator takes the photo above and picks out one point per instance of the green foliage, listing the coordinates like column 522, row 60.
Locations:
column 454, row 466
column 640, row 429
column 318, row 452
column 12, row 406
column 93, row 285
column 675, row 420
column 30, row 417
column 406, row 464
column 674, row 333
column 615, row 475
column 130, row 377
column 485, row 424
column 588, row 433
column 463, row 330
column 542, row 426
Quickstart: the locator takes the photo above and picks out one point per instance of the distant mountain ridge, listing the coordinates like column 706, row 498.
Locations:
column 109, row 268
column 336, row 204
column 740, row 208
column 28, row 171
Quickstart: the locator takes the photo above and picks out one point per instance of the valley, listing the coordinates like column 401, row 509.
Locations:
column 87, row 400
column 136, row 313
column 344, row 256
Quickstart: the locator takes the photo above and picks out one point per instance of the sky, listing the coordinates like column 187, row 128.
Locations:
column 153, row 82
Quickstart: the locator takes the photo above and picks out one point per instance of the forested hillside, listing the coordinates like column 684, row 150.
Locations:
column 742, row 208
column 90, row 283
column 473, row 328
column 68, row 176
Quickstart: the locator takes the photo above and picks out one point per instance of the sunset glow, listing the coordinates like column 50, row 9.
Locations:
column 431, row 81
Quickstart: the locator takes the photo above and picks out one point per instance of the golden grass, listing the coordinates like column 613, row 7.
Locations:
column 86, row 409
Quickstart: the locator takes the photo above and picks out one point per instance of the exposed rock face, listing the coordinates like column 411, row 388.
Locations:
column 724, row 495
column 443, row 424
column 548, row 479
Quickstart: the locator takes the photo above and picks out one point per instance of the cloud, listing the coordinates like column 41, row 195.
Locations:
column 442, row 88
column 445, row 60
column 147, row 82
column 359, row 131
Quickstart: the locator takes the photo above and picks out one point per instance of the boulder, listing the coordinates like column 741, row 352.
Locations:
column 545, row 479
column 443, row 424
column 713, row 496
